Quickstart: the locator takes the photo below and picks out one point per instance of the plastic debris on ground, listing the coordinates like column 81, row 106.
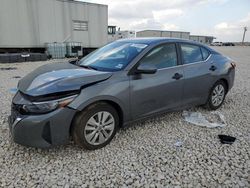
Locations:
column 212, row 120
column 225, row 139
column 178, row 144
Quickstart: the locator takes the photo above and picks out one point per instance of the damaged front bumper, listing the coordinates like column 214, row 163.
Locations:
column 41, row 131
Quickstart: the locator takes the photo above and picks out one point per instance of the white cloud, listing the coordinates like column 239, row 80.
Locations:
column 147, row 14
column 172, row 27
column 163, row 14
column 223, row 25
column 232, row 31
column 146, row 24
column 152, row 24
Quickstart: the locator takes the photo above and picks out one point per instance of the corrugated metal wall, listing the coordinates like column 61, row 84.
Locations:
column 155, row 33
column 32, row 23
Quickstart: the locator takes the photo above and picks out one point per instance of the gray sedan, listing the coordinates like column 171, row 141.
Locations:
column 122, row 82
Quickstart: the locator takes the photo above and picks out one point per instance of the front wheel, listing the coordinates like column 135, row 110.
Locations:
column 217, row 95
column 95, row 127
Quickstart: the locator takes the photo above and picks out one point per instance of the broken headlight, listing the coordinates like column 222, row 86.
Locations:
column 47, row 106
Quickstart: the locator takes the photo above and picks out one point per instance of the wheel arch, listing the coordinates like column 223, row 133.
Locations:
column 113, row 103
column 226, row 83
column 117, row 108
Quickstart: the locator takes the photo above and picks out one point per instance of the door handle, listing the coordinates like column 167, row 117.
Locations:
column 177, row 76
column 213, row 68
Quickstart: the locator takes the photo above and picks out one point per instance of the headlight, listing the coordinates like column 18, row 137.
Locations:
column 48, row 106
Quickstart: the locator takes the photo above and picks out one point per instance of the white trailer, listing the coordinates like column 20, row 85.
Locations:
column 33, row 23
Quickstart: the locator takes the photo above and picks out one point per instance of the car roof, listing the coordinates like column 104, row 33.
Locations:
column 153, row 40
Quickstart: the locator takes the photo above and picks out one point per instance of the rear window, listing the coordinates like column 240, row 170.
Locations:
column 191, row 53
column 205, row 53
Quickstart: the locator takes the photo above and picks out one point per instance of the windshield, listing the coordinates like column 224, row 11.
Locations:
column 112, row 57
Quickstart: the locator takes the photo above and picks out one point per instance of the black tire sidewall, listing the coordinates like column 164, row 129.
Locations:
column 81, row 121
column 210, row 104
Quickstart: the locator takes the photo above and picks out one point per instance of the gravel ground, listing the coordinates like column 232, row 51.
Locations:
column 142, row 155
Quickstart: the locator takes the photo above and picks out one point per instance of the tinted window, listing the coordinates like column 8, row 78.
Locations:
column 162, row 56
column 205, row 53
column 191, row 53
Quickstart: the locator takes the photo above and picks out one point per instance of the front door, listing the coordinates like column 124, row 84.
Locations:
column 151, row 93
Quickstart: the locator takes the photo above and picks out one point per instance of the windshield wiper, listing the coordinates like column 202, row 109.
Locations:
column 88, row 67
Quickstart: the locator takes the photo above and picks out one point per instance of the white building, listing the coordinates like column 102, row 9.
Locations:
column 159, row 33
column 175, row 34
column 202, row 39
column 32, row 23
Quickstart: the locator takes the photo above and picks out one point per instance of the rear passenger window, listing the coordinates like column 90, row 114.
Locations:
column 161, row 57
column 205, row 53
column 191, row 53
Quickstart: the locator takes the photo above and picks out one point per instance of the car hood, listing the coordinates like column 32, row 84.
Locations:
column 59, row 77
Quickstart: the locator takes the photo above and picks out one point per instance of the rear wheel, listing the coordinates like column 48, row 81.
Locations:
column 217, row 95
column 95, row 127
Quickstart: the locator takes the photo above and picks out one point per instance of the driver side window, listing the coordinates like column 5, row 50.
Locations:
column 162, row 56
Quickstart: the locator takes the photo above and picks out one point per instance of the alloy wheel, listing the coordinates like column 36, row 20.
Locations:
column 218, row 95
column 99, row 128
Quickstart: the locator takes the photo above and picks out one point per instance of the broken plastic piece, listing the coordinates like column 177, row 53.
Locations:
column 225, row 139
column 216, row 119
column 178, row 144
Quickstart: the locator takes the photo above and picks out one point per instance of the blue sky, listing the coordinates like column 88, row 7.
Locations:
column 223, row 19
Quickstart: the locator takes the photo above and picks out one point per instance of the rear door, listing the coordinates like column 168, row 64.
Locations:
column 197, row 73
column 151, row 93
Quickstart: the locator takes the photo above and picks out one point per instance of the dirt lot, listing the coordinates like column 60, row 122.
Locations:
column 143, row 155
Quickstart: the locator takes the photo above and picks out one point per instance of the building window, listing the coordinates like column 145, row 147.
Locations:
column 111, row 30
column 80, row 25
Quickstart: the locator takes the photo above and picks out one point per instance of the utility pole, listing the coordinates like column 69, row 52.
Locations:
column 243, row 39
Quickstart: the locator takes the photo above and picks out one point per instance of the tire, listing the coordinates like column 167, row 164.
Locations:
column 212, row 102
column 93, row 128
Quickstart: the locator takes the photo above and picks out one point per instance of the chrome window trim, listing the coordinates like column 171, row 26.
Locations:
column 204, row 61
column 176, row 45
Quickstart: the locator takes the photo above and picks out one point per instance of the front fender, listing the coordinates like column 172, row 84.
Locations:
column 116, row 92
column 80, row 107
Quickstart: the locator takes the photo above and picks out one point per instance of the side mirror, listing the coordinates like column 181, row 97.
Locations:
column 146, row 69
